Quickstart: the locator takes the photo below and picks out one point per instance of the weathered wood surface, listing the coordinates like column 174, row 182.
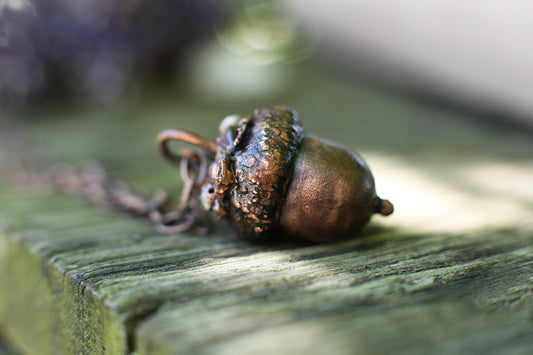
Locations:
column 450, row 272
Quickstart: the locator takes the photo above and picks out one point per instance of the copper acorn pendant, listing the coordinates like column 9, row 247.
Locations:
column 268, row 177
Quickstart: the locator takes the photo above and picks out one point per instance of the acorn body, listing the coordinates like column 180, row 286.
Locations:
column 331, row 193
column 268, row 177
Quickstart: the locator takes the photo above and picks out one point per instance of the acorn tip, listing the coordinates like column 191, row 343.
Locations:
column 385, row 207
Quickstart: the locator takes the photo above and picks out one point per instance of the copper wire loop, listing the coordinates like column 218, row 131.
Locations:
column 193, row 170
column 193, row 166
column 183, row 136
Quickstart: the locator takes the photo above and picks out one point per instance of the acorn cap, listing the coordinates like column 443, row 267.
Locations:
column 252, row 173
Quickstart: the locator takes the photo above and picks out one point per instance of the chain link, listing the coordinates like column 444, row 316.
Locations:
column 38, row 169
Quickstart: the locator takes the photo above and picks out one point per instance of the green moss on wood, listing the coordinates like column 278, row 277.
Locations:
column 62, row 315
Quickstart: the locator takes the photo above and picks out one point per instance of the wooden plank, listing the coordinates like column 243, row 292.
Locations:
column 451, row 271
column 6, row 349
column 97, row 286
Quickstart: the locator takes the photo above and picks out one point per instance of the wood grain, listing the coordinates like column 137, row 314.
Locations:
column 450, row 272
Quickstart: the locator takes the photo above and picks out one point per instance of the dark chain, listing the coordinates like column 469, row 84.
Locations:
column 38, row 169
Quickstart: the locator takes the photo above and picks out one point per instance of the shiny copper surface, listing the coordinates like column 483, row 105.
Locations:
column 269, row 178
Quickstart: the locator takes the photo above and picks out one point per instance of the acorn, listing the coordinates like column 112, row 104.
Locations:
column 269, row 178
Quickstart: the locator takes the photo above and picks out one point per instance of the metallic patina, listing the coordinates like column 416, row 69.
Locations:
column 269, row 178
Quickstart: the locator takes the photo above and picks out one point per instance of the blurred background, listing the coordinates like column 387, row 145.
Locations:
column 475, row 55
column 434, row 94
